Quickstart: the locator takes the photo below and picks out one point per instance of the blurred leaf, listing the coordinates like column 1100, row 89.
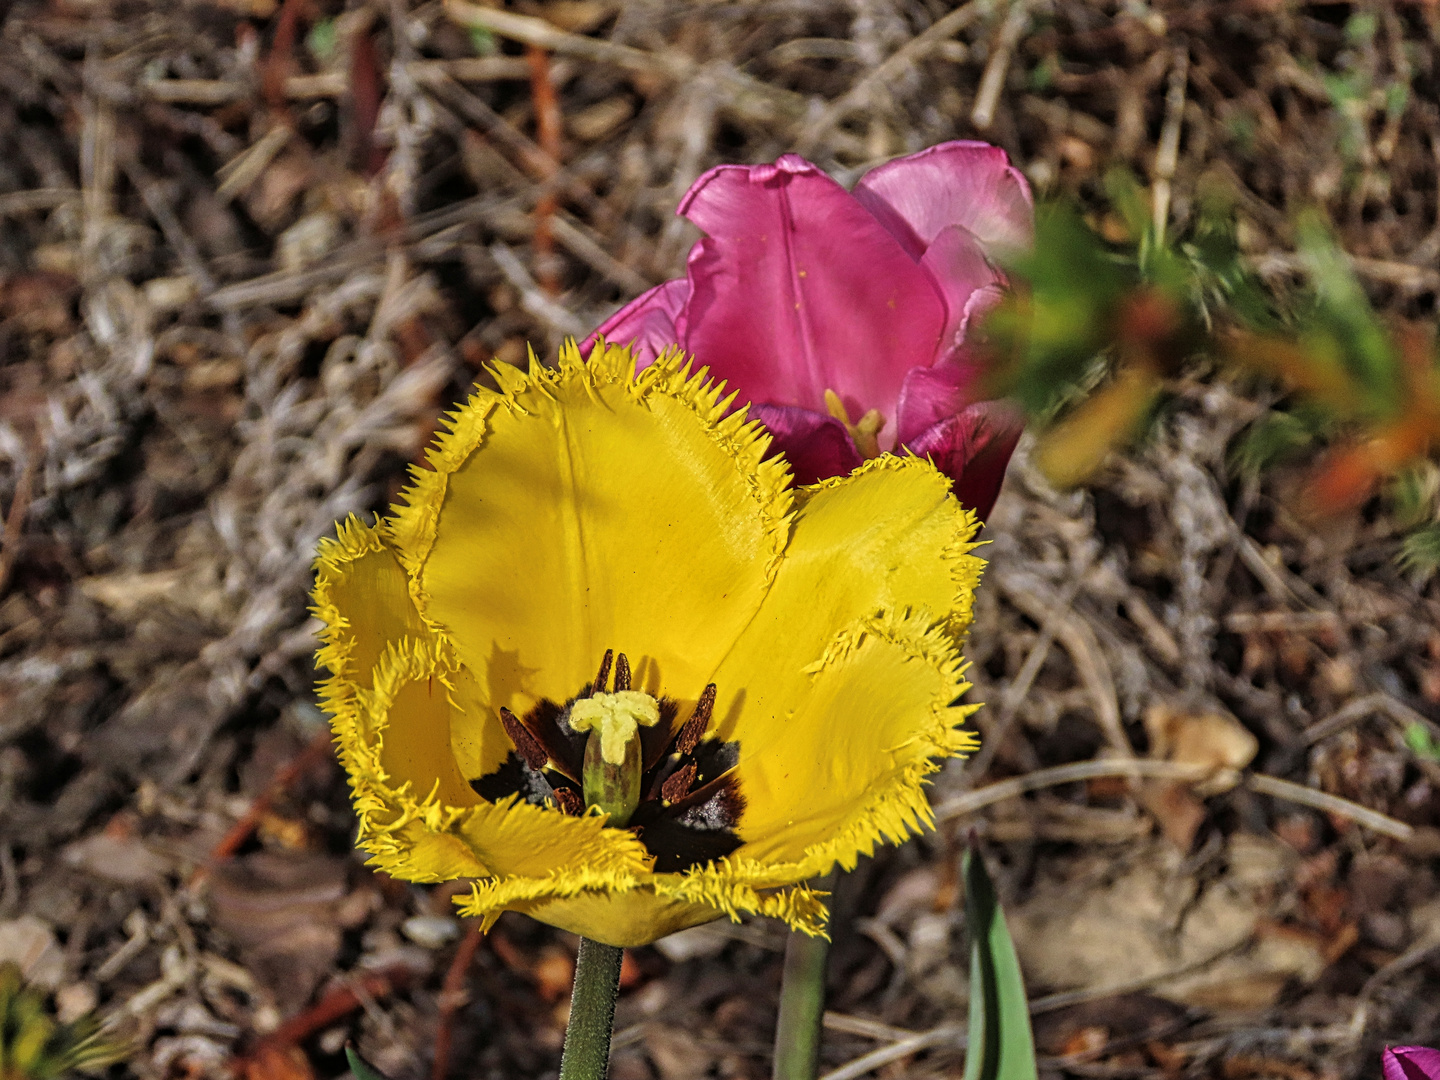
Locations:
column 1397, row 96
column 1000, row 1044
column 36, row 1046
column 1048, row 332
column 362, row 1069
column 1317, row 374
column 1129, row 200
column 1360, row 28
column 1346, row 331
column 483, row 41
column 322, row 39
column 1420, row 552
column 1421, row 742
column 1275, row 438
column 1042, row 76
column 1413, row 494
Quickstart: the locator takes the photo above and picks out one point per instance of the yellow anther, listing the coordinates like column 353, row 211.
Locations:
column 865, row 433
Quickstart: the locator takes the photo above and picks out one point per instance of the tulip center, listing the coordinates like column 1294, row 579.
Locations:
column 619, row 751
column 865, row 432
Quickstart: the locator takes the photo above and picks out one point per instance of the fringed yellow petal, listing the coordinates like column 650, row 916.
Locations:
column 639, row 910
column 591, row 508
column 387, row 737
column 846, row 769
column 887, row 538
column 420, row 820
column 362, row 597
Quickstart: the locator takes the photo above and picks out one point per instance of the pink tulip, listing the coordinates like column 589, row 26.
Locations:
column 1411, row 1063
column 842, row 315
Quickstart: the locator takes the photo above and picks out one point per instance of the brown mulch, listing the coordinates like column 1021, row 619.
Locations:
column 249, row 251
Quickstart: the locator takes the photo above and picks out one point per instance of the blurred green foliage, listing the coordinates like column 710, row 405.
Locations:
column 1108, row 312
column 36, row 1046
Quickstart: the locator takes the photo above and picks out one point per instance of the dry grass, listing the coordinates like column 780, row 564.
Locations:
column 247, row 254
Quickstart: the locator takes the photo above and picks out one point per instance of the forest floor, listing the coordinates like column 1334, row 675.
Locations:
column 249, row 251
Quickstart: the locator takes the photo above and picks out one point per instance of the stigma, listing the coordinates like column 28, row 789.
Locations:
column 617, row 717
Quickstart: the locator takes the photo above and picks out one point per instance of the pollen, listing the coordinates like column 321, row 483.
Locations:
column 617, row 717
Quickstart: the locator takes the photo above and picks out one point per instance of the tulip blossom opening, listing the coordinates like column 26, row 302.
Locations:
column 821, row 305
column 675, row 789
column 790, row 664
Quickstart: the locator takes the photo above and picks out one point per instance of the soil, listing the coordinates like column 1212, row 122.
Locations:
column 249, row 252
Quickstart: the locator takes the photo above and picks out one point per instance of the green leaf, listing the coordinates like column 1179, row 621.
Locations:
column 1346, row 331
column 1421, row 742
column 1420, row 552
column 483, row 41
column 1414, row 493
column 1275, row 438
column 362, row 1069
column 1360, row 28
column 322, row 40
column 1000, row 1044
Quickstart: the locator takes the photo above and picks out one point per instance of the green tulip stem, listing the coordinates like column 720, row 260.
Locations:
column 592, row 1012
column 802, row 1005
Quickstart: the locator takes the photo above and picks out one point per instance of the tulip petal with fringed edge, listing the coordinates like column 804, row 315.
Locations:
column 589, row 508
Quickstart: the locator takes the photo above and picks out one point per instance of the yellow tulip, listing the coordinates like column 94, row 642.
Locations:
column 785, row 660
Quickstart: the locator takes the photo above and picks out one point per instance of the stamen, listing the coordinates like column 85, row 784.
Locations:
column 598, row 687
column 569, row 802
column 526, row 744
column 865, row 432
column 677, row 785
column 622, row 673
column 694, row 729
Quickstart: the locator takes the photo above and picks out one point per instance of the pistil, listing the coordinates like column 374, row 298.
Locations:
column 614, row 761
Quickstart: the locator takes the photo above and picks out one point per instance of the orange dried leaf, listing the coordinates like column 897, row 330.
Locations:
column 1071, row 451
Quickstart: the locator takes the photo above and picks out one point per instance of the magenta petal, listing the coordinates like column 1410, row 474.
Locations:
column 816, row 445
column 964, row 276
column 1411, row 1063
column 931, row 395
column 972, row 449
column 797, row 289
column 649, row 321
column 971, row 184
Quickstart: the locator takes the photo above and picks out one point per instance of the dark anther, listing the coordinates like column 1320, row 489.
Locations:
column 604, row 676
column 528, row 746
column 622, row 673
column 677, row 784
column 569, row 802
column 694, row 729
